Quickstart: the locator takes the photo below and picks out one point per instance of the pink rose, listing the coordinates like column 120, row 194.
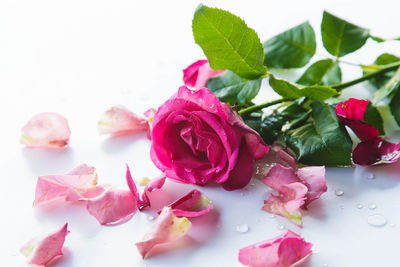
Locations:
column 197, row 139
column 197, row 74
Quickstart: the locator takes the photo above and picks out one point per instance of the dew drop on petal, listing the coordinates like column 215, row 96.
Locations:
column 242, row 228
column 372, row 206
column 339, row 192
column 376, row 220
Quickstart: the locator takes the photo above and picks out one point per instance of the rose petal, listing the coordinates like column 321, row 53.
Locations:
column 167, row 228
column 278, row 176
column 376, row 151
column 288, row 203
column 114, row 206
column 42, row 250
column 46, row 130
column 314, row 178
column 193, row 204
column 197, row 74
column 120, row 120
column 74, row 184
column 283, row 251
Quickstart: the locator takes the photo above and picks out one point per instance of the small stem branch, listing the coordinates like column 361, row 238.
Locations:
column 261, row 106
column 384, row 69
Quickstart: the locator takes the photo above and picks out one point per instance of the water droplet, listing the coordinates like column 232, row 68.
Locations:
column 242, row 228
column 360, row 206
column 281, row 227
column 370, row 176
column 392, row 225
column 376, row 220
column 325, row 264
column 252, row 184
column 339, row 192
column 272, row 216
column 315, row 252
column 372, row 206
column 341, row 207
column 150, row 218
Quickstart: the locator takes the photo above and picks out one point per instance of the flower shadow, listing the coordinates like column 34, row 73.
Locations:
column 48, row 160
column 116, row 144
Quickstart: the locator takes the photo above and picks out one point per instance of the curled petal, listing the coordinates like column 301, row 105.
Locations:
column 46, row 130
column 112, row 207
column 167, row 228
column 75, row 184
column 151, row 186
column 314, row 178
column 285, row 250
column 42, row 250
column 197, row 74
column 279, row 175
column 376, row 151
column 120, row 120
column 288, row 203
column 193, row 204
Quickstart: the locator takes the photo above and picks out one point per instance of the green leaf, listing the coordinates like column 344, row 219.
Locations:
column 290, row 91
column 323, row 72
column 391, row 86
column 395, row 106
column 381, row 40
column 271, row 125
column 323, row 141
column 373, row 117
column 228, row 43
column 341, row 37
column 291, row 49
column 383, row 59
column 229, row 87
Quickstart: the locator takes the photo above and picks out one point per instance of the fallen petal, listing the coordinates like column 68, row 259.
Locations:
column 193, row 204
column 314, row 178
column 167, row 228
column 285, row 250
column 279, row 175
column 114, row 206
column 46, row 130
column 119, row 120
column 288, row 202
column 42, row 250
column 376, row 151
column 151, row 186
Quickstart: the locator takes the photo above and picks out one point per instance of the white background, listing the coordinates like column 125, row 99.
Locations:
column 79, row 58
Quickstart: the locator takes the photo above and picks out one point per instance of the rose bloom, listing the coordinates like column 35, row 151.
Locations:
column 197, row 139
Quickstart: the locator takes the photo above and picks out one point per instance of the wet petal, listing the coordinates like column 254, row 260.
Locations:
column 285, row 250
column 376, row 151
column 193, row 204
column 120, row 120
column 57, row 187
column 114, row 206
column 288, row 202
column 42, row 250
column 46, row 130
column 167, row 228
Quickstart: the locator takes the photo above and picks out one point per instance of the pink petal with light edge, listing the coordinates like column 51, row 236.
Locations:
column 278, row 176
column 376, row 151
column 57, row 187
column 119, row 120
column 288, row 203
column 42, row 250
column 285, row 250
column 197, row 74
column 314, row 178
column 167, row 228
column 46, row 130
column 193, row 204
column 112, row 207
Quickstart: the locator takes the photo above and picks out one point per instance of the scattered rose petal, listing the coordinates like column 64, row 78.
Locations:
column 285, row 250
column 167, row 228
column 351, row 113
column 314, row 178
column 287, row 204
column 46, row 130
column 42, row 250
column 197, row 74
column 119, row 120
column 193, row 204
column 114, row 206
column 76, row 184
column 376, row 151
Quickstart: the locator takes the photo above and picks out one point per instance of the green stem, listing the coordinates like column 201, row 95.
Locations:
column 261, row 106
column 384, row 69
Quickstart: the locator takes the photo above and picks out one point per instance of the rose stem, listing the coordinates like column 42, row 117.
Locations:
column 261, row 106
